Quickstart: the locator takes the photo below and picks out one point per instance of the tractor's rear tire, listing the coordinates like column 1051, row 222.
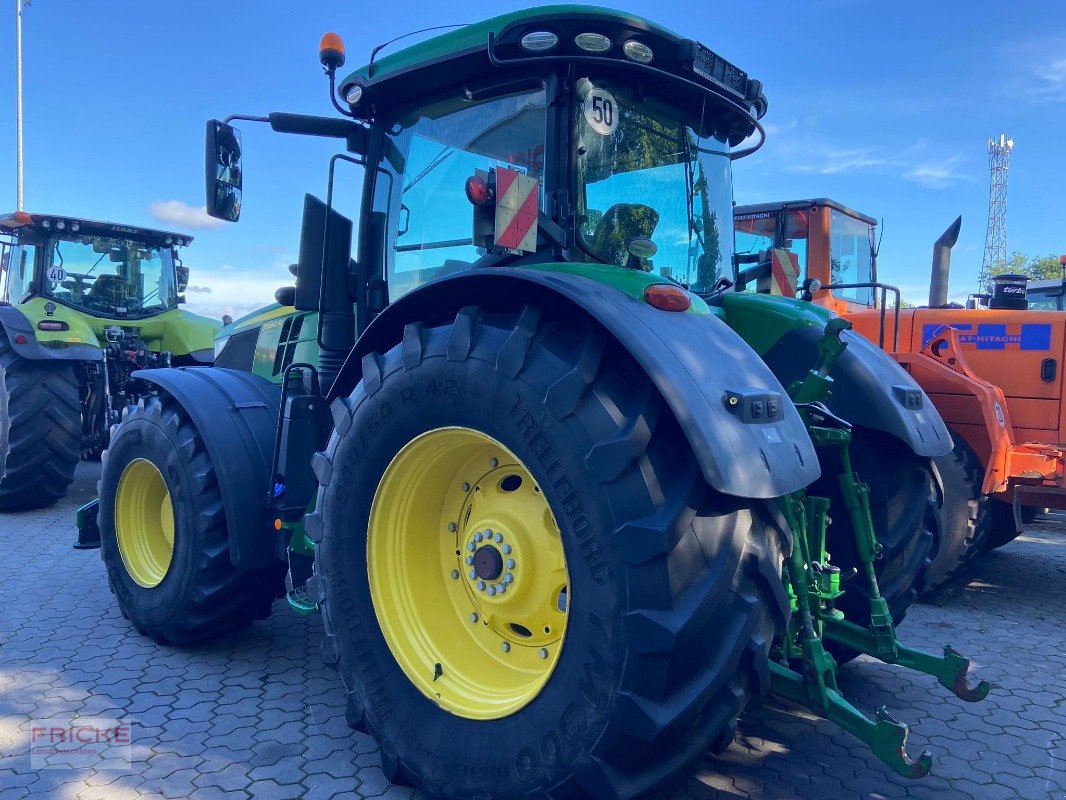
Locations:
column 959, row 538
column 163, row 532
column 42, row 425
column 673, row 591
column 903, row 504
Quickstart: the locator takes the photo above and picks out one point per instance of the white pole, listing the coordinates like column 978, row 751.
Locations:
column 18, row 104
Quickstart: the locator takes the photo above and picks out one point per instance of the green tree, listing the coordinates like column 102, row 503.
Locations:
column 1038, row 268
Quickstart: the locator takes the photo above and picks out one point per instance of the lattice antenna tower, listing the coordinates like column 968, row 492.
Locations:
column 996, row 235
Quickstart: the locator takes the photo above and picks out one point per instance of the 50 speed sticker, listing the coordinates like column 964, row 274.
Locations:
column 601, row 111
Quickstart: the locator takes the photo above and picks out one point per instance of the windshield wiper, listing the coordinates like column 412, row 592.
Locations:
column 442, row 156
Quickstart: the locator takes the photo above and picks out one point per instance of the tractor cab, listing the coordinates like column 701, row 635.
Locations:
column 99, row 268
column 833, row 252
column 577, row 139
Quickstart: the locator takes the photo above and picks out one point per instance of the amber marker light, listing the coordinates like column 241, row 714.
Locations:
column 667, row 298
column 22, row 218
column 331, row 51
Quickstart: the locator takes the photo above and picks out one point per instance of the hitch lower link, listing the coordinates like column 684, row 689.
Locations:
column 806, row 673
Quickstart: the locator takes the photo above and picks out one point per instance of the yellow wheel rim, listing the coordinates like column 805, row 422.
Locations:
column 467, row 573
column 144, row 523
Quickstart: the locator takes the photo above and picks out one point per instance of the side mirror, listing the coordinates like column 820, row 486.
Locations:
column 808, row 288
column 286, row 296
column 224, row 177
column 182, row 275
column 640, row 249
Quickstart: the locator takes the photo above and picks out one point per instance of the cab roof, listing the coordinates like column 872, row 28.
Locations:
column 482, row 51
column 761, row 208
column 14, row 222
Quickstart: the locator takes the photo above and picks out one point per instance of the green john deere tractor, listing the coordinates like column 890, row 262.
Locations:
column 560, row 492
column 83, row 305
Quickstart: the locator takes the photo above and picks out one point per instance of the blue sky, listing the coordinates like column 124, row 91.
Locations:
column 884, row 106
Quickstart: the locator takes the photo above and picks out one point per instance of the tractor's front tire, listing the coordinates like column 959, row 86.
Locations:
column 42, row 427
column 641, row 604
column 903, row 505
column 959, row 534
column 163, row 532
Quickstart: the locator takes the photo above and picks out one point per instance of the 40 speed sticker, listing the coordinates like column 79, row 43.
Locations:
column 601, row 111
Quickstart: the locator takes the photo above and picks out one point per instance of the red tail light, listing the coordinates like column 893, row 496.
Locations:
column 478, row 190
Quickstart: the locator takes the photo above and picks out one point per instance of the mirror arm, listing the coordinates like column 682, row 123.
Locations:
column 245, row 117
column 355, row 135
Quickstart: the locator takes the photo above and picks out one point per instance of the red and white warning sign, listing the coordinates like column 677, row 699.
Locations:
column 516, row 210
column 784, row 271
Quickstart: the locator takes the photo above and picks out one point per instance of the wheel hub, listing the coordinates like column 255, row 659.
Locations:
column 488, row 563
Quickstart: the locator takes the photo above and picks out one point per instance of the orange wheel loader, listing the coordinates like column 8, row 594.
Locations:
column 993, row 369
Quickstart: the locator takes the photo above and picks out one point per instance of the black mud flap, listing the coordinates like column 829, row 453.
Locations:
column 746, row 433
column 870, row 389
column 23, row 339
column 237, row 415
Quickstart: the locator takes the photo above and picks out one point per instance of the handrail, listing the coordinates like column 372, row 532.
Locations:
column 885, row 289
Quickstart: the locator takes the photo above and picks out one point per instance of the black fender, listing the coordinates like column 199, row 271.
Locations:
column 14, row 323
column 237, row 415
column 708, row 375
column 870, row 389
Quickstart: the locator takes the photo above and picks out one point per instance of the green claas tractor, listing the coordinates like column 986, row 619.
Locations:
column 561, row 494
column 83, row 305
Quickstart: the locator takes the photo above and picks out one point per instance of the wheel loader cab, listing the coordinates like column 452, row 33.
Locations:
column 832, row 244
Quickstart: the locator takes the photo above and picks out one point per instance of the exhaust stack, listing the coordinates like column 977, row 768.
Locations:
column 938, row 282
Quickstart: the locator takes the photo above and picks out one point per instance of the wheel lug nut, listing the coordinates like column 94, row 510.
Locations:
column 481, row 586
column 498, row 537
column 506, row 549
column 488, row 533
column 510, row 563
column 474, row 617
column 508, row 578
column 500, row 589
column 466, row 487
column 471, row 547
column 472, row 573
column 452, row 527
column 478, row 537
column 544, row 652
column 455, row 574
column 469, row 559
column 491, row 591
column 494, row 462
column 506, row 647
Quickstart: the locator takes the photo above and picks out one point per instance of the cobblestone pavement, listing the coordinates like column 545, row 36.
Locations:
column 257, row 715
